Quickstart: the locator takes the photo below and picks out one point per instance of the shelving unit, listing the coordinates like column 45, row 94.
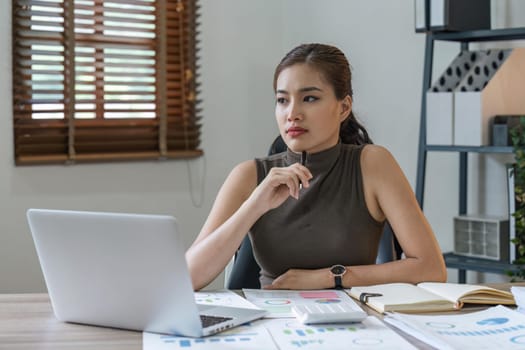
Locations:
column 464, row 38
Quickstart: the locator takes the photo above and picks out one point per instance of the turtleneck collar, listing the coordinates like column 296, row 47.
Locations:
column 316, row 162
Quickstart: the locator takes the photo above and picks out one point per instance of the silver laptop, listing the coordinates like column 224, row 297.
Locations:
column 124, row 271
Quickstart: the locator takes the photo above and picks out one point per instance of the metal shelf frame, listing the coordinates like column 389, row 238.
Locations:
column 464, row 38
column 464, row 263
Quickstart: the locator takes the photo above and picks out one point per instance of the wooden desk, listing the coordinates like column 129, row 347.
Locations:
column 27, row 322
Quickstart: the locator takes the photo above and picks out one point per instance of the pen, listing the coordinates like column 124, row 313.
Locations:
column 303, row 162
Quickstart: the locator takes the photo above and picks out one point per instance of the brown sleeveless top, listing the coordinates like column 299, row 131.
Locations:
column 329, row 223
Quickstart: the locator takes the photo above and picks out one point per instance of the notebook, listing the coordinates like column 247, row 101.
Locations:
column 428, row 296
column 124, row 271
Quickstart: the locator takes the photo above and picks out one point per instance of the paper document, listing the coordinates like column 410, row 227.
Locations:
column 495, row 328
column 283, row 334
column 223, row 297
column 249, row 336
column 279, row 303
column 519, row 296
column 252, row 336
column 369, row 334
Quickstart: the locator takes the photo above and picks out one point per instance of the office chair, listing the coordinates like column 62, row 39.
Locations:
column 245, row 271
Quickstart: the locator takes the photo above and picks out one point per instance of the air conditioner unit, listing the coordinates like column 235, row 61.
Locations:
column 482, row 236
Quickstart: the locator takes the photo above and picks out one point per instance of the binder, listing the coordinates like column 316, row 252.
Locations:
column 451, row 15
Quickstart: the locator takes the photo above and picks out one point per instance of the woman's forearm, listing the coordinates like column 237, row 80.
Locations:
column 410, row 270
column 207, row 258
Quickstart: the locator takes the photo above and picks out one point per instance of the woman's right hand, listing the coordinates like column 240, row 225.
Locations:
column 239, row 204
column 279, row 184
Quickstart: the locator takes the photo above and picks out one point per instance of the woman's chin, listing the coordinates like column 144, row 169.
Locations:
column 295, row 145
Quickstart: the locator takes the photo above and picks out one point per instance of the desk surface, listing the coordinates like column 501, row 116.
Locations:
column 27, row 321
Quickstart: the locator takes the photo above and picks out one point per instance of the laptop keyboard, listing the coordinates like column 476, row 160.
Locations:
column 211, row 320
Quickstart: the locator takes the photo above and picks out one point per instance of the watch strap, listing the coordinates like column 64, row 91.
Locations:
column 338, row 282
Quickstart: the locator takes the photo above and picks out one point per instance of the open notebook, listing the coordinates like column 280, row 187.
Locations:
column 428, row 296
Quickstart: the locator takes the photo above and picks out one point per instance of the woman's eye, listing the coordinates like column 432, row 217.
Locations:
column 281, row 100
column 310, row 99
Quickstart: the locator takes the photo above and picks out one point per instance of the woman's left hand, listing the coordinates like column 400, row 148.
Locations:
column 302, row 279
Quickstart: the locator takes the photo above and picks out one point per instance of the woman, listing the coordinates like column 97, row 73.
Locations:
column 315, row 213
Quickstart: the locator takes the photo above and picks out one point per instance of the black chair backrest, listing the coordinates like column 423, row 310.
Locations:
column 277, row 146
column 245, row 272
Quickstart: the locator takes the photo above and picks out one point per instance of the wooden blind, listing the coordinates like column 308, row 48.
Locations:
column 100, row 80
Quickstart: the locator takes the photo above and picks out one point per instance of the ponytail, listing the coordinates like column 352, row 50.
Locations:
column 353, row 133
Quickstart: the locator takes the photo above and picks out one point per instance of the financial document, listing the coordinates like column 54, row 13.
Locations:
column 283, row 333
column 519, row 296
column 223, row 297
column 279, row 303
column 288, row 334
column 498, row 327
column 251, row 336
column 368, row 334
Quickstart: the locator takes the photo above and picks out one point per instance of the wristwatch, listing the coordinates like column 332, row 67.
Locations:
column 338, row 271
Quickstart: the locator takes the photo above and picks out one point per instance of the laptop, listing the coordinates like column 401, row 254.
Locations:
column 124, row 271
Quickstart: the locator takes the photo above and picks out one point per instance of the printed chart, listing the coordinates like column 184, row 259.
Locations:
column 369, row 334
column 283, row 333
column 279, row 303
column 245, row 337
column 288, row 334
column 496, row 328
column 223, row 297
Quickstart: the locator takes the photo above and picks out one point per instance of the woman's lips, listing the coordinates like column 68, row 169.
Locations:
column 295, row 132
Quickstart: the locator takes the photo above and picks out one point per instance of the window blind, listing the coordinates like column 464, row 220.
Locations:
column 103, row 80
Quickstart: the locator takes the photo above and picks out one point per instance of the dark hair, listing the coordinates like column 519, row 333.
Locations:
column 334, row 66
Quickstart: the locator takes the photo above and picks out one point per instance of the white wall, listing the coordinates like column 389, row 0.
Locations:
column 241, row 42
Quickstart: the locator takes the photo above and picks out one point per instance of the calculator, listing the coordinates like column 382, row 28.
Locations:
column 329, row 313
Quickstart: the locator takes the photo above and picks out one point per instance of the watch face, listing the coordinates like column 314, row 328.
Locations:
column 338, row 269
